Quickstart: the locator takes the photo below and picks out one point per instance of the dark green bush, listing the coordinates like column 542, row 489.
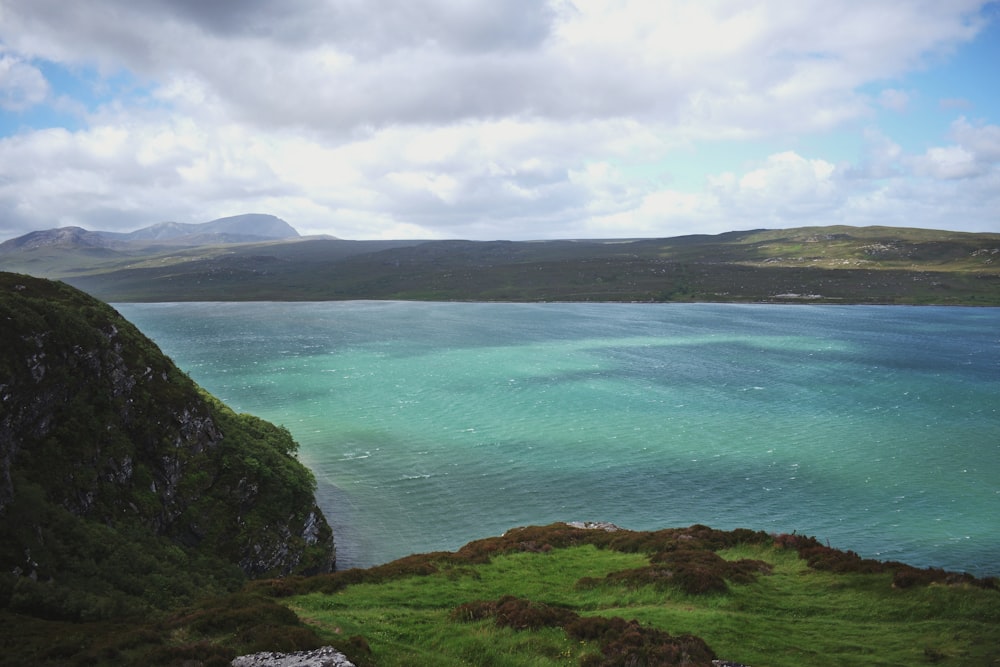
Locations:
column 833, row 560
column 516, row 613
column 203, row 654
column 522, row 614
column 357, row 650
column 627, row 644
column 693, row 571
column 622, row 643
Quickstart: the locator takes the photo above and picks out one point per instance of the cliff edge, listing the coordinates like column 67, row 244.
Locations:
column 123, row 483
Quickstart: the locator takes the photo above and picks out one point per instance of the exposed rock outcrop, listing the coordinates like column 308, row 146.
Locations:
column 595, row 525
column 322, row 657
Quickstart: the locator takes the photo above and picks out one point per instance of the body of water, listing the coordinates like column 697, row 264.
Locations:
column 429, row 425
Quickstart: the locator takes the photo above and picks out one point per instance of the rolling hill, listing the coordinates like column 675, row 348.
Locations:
column 869, row 265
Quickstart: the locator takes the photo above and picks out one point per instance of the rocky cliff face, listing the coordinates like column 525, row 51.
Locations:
column 97, row 422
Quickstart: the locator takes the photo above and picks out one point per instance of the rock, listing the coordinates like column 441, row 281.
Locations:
column 321, row 657
column 594, row 525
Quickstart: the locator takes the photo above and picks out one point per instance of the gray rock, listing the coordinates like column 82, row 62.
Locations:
column 594, row 525
column 321, row 657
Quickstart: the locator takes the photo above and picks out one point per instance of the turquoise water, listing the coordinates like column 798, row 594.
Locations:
column 432, row 424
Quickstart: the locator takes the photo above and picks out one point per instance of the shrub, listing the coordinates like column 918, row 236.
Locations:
column 201, row 653
column 628, row 644
column 907, row 576
column 833, row 560
column 622, row 643
column 513, row 612
column 250, row 623
column 357, row 650
column 522, row 614
column 693, row 571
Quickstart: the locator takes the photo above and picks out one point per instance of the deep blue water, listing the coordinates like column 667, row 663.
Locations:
column 432, row 424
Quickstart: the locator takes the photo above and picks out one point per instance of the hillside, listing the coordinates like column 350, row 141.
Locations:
column 124, row 487
column 589, row 595
column 807, row 265
column 599, row 596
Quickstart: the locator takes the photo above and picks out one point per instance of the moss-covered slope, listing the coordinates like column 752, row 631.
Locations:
column 123, row 485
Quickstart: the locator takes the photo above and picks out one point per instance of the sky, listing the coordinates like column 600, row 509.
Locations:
column 500, row 119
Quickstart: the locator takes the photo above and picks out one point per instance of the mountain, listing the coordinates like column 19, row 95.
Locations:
column 246, row 228
column 123, row 485
column 234, row 229
column 63, row 237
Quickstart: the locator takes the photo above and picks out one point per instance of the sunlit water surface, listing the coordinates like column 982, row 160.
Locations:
column 428, row 425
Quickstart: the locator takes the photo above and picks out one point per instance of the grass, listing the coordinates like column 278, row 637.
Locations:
column 409, row 618
column 793, row 616
column 558, row 595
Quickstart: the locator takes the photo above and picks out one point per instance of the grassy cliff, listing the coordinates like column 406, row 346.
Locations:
column 564, row 595
column 124, row 488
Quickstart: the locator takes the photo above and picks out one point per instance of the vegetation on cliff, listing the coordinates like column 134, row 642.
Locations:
column 125, row 488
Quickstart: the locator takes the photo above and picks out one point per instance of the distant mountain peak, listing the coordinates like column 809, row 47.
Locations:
column 64, row 237
column 245, row 228
column 248, row 226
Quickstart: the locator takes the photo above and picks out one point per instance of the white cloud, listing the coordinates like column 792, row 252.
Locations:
column 22, row 85
column 479, row 119
column 745, row 68
column 787, row 186
column 947, row 162
column 976, row 152
column 981, row 139
column 946, row 190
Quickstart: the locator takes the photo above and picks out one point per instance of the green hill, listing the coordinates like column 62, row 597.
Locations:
column 124, row 488
column 605, row 597
column 812, row 264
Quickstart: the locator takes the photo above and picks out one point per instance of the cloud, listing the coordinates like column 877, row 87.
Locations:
column 785, row 187
column 478, row 119
column 982, row 140
column 894, row 100
column 22, row 86
column 881, row 159
column 349, row 65
column 976, row 152
column 947, row 162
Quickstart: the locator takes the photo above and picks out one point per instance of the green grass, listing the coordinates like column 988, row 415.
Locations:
column 793, row 616
column 409, row 618
column 558, row 595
